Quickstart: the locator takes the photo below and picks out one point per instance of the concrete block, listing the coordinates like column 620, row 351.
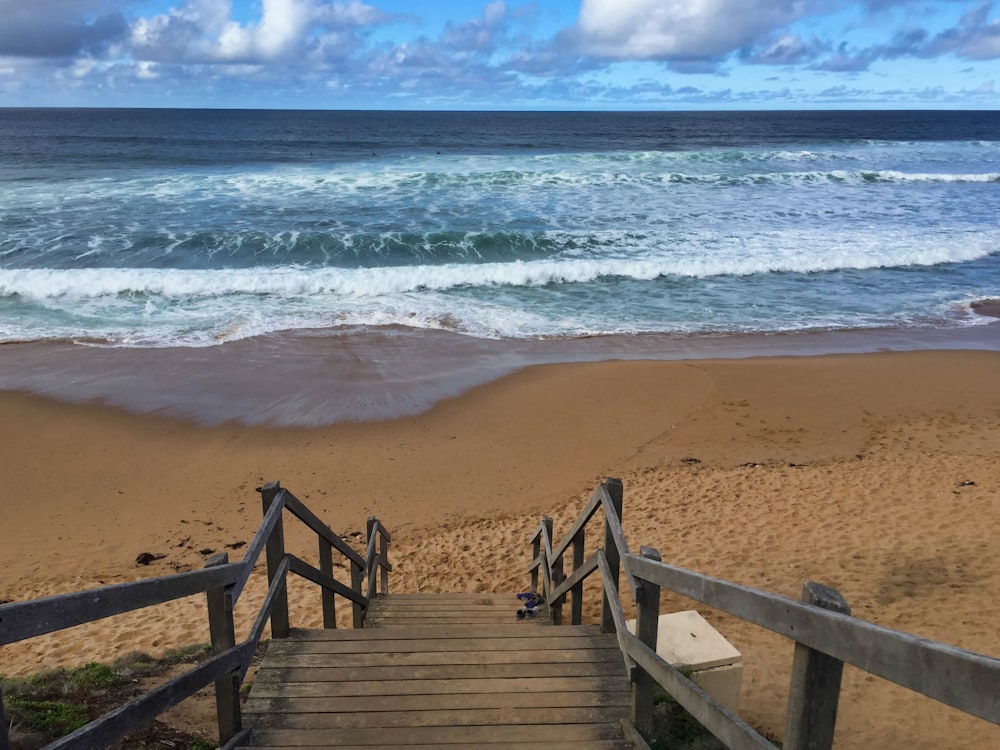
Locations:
column 687, row 641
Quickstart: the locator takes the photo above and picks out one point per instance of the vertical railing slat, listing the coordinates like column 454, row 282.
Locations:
column 383, row 554
column 576, row 601
column 616, row 492
column 536, row 549
column 815, row 688
column 371, row 528
column 327, row 597
column 357, row 583
column 275, row 552
column 647, row 613
column 222, row 631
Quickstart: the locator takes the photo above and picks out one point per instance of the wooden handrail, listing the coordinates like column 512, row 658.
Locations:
column 256, row 546
column 222, row 582
column 305, row 570
column 617, row 534
column 21, row 620
column 300, row 511
column 908, row 660
column 825, row 634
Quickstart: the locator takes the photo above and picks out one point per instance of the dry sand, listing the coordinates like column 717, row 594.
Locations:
column 877, row 474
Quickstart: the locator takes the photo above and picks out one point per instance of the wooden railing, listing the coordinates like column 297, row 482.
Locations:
column 826, row 636
column 222, row 582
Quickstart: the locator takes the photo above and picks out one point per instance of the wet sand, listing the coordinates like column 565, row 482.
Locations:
column 876, row 473
column 312, row 378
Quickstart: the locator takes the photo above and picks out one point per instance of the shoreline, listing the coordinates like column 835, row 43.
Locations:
column 876, row 473
column 314, row 378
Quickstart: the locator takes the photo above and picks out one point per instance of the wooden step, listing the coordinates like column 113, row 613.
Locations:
column 493, row 682
column 407, row 610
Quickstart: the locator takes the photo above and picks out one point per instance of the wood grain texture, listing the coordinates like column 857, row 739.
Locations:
column 419, row 682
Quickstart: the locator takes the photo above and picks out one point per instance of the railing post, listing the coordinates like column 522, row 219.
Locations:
column 357, row 583
column 326, row 566
column 223, row 634
column 576, row 604
column 815, row 689
column 536, row 549
column 275, row 554
column 369, row 531
column 554, row 571
column 647, row 620
column 383, row 553
column 615, row 490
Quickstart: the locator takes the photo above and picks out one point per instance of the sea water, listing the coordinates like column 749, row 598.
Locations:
column 171, row 228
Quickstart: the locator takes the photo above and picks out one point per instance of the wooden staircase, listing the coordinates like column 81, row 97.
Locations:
column 434, row 670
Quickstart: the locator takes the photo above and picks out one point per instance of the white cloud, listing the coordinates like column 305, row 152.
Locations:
column 679, row 30
column 203, row 31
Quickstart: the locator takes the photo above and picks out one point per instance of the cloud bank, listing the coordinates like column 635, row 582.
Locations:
column 354, row 53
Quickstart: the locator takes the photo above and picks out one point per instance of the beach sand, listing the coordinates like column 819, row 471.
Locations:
column 877, row 474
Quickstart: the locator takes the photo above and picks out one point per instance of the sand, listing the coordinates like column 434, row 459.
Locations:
column 877, row 474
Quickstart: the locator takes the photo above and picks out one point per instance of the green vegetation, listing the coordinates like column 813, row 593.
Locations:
column 676, row 729
column 48, row 705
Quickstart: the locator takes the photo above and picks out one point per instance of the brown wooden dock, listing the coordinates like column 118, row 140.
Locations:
column 429, row 670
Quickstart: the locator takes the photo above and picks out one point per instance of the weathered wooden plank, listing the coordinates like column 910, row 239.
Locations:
column 814, row 693
column 576, row 578
column 612, row 610
column 22, row 620
column 223, row 636
column 411, row 645
column 578, row 525
column 397, row 625
column 420, row 597
column 362, row 659
column 969, row 681
column 440, row 687
column 329, row 601
column 458, row 630
column 442, row 617
column 277, row 587
column 549, row 745
column 614, row 534
column 443, row 606
column 538, row 736
column 272, row 517
column 268, row 674
column 305, row 570
column 428, row 717
column 274, row 553
column 452, row 701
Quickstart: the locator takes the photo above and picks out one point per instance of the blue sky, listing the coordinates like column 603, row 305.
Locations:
column 467, row 54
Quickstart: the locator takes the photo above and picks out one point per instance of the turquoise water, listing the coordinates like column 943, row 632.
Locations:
column 194, row 228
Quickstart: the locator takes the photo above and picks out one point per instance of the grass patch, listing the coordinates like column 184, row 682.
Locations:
column 48, row 705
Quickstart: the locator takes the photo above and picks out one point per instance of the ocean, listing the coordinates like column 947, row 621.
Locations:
column 522, row 235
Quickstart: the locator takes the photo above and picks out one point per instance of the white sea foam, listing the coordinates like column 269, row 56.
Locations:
column 286, row 282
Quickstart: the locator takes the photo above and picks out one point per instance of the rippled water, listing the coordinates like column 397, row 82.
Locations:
column 177, row 228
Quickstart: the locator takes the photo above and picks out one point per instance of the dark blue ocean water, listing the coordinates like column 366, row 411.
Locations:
column 192, row 228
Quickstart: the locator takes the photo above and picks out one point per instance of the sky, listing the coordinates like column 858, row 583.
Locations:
column 501, row 55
